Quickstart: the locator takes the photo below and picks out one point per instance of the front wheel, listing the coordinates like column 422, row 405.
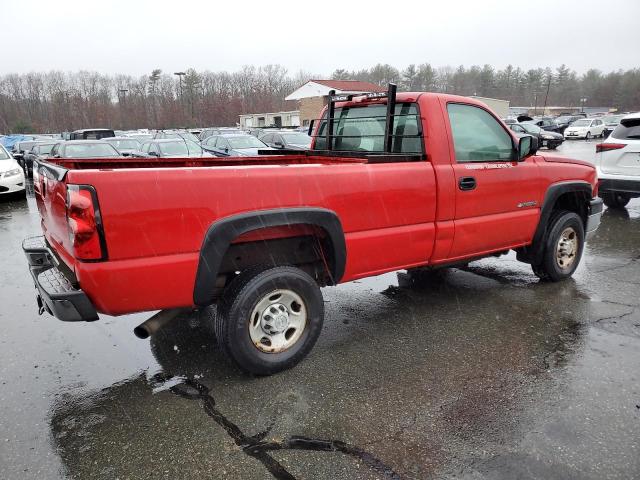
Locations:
column 587, row 136
column 269, row 318
column 615, row 200
column 563, row 247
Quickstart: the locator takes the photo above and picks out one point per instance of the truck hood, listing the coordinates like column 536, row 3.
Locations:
column 554, row 159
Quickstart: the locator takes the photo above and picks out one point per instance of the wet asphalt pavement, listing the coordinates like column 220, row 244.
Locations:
column 481, row 373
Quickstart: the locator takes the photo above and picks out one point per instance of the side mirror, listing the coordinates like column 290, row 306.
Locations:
column 154, row 154
column 527, row 145
column 278, row 145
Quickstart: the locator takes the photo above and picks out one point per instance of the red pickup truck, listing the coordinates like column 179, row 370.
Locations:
column 394, row 181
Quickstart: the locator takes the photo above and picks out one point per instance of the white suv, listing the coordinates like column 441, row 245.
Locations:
column 618, row 163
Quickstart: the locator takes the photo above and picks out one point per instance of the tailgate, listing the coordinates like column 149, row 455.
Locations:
column 51, row 197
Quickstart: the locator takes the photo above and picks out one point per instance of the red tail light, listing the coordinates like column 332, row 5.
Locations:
column 85, row 225
column 605, row 147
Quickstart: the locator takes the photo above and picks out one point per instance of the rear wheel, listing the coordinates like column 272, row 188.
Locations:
column 562, row 247
column 269, row 318
column 615, row 200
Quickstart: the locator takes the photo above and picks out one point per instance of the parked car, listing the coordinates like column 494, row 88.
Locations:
column 91, row 134
column 260, row 238
column 546, row 123
column 84, row 149
column 586, row 128
column 125, row 145
column 164, row 134
column 618, row 163
column 234, row 145
column 208, row 132
column 21, row 148
column 39, row 150
column 286, row 139
column 610, row 123
column 564, row 121
column 11, row 175
column 172, row 147
column 551, row 140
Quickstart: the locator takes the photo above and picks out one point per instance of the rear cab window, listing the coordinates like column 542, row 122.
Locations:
column 362, row 129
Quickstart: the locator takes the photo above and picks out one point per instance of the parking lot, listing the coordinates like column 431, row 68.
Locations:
column 477, row 373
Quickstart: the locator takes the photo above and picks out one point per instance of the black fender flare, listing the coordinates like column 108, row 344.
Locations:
column 553, row 193
column 222, row 232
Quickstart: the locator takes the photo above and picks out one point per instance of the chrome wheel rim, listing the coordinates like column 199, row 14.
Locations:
column 567, row 248
column 277, row 321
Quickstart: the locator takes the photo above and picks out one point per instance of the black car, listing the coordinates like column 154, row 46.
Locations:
column 91, row 134
column 289, row 140
column 39, row 151
column 546, row 123
column 551, row 140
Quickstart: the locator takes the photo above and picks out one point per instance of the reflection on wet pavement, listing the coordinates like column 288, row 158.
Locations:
column 478, row 373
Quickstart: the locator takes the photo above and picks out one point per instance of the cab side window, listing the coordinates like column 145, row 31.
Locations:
column 477, row 135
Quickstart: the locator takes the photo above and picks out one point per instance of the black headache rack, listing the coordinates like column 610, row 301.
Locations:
column 387, row 155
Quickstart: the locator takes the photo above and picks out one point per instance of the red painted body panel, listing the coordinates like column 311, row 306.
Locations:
column 394, row 215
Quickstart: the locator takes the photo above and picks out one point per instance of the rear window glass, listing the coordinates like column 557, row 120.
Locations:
column 90, row 150
column 629, row 128
column 361, row 129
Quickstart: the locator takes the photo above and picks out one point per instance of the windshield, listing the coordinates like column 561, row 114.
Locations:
column 245, row 141
column 90, row 150
column 297, row 138
column 4, row 155
column 128, row 144
column 531, row 128
column 581, row 123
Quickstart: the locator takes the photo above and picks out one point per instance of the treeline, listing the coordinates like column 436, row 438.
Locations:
column 539, row 86
column 58, row 101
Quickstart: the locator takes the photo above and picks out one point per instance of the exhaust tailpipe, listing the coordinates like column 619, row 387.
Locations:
column 152, row 325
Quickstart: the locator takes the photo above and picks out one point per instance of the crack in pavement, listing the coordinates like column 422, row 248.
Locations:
column 257, row 448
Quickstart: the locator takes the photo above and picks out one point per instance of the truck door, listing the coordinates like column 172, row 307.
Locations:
column 497, row 196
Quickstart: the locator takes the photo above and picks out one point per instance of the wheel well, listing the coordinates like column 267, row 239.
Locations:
column 574, row 202
column 312, row 252
column 270, row 233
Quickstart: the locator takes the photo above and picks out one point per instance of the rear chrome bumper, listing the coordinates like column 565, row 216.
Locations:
column 593, row 219
column 57, row 294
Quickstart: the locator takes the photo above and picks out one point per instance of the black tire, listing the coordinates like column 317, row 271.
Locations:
column 587, row 137
column 552, row 146
column 615, row 199
column 550, row 268
column 241, row 297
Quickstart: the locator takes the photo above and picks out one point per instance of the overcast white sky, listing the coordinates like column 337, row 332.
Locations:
column 136, row 36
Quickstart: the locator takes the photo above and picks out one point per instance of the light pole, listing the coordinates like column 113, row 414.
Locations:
column 122, row 97
column 180, row 75
column 583, row 101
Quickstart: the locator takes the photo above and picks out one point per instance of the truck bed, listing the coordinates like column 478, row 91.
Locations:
column 121, row 163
